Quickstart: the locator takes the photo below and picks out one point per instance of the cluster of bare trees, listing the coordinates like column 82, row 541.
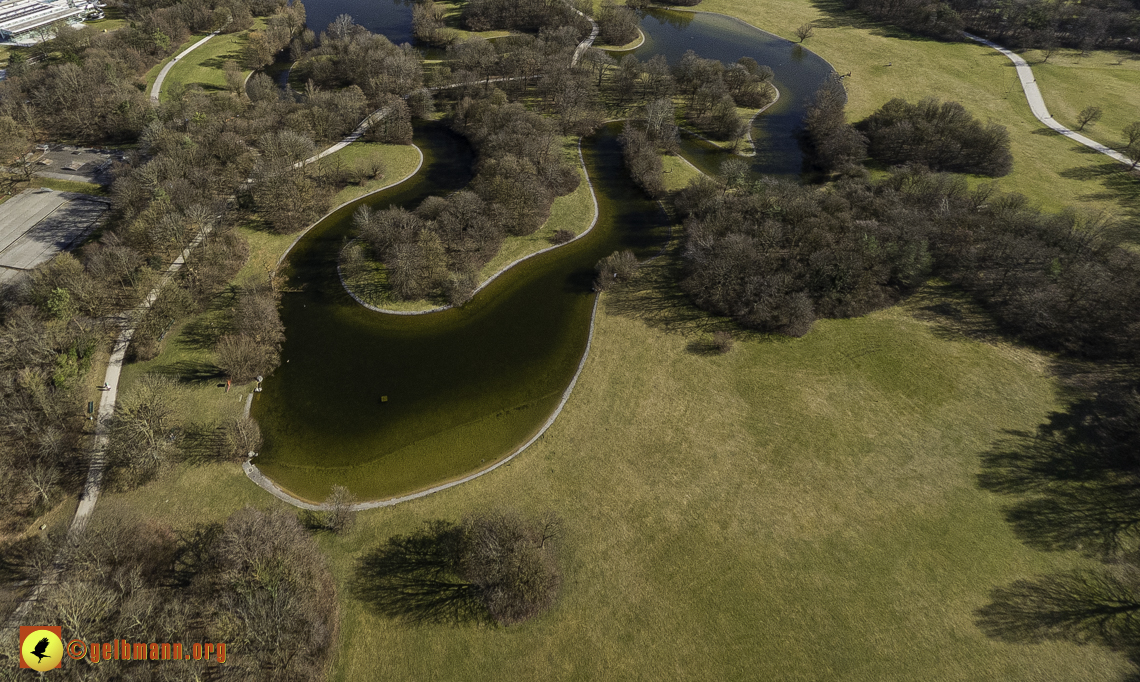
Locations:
column 521, row 165
column 96, row 91
column 349, row 54
column 1084, row 26
column 429, row 25
column 1035, row 23
column 643, row 160
column 257, row 583
column 261, row 46
column 775, row 256
column 46, row 347
column 440, row 248
column 942, row 136
column 492, row 566
column 832, row 144
column 713, row 92
column 617, row 24
column 253, row 347
column 524, row 15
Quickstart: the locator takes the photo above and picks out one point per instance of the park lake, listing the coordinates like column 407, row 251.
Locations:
column 391, row 404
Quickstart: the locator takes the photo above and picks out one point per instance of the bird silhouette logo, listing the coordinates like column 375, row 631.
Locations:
column 41, row 647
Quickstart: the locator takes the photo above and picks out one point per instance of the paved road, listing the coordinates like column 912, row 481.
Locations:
column 1037, row 103
column 157, row 87
column 39, row 223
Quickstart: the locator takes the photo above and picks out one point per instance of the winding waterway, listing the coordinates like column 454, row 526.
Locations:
column 387, row 404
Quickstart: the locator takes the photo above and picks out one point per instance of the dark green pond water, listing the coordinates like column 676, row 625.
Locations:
column 468, row 386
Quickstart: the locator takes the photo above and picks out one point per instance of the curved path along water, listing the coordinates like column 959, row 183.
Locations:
column 1037, row 102
column 395, row 406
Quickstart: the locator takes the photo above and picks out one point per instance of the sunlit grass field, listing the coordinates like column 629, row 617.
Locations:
column 796, row 509
column 1054, row 172
column 1108, row 80
column 205, row 65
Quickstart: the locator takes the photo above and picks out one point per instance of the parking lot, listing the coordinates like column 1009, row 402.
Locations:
column 83, row 164
column 39, row 223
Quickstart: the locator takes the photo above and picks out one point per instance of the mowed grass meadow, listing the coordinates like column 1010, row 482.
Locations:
column 798, row 509
column 795, row 509
column 1052, row 171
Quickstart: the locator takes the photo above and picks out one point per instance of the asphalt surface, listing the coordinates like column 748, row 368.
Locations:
column 39, row 223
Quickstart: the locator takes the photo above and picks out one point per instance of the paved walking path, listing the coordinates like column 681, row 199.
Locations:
column 585, row 44
column 1037, row 103
column 94, row 484
column 157, row 87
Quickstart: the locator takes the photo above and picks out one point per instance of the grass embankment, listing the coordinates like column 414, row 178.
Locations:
column 796, row 509
column 573, row 212
column 1108, row 80
column 744, row 146
column 399, row 162
column 678, row 172
column 1052, row 171
column 204, row 66
column 152, row 75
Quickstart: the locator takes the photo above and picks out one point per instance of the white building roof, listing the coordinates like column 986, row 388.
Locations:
column 21, row 16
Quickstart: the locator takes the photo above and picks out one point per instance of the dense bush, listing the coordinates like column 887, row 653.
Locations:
column 942, row 136
column 776, row 256
column 832, row 144
column 522, row 15
column 617, row 25
column 643, row 161
column 773, row 256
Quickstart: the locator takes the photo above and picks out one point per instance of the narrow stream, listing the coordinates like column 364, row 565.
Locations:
column 387, row 404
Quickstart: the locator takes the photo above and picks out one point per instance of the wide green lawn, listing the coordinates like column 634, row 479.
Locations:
column 795, row 510
column 1108, row 80
column 152, row 75
column 205, row 65
column 1053, row 171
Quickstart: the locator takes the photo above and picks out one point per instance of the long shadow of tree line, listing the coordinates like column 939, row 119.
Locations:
column 1076, row 486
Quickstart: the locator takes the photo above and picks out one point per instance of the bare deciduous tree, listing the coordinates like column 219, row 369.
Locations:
column 1088, row 116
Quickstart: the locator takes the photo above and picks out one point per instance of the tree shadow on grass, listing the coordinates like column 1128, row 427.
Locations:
column 411, row 578
column 1086, row 607
column 1078, row 476
column 1076, row 483
column 836, row 15
column 192, row 372
column 1119, row 185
